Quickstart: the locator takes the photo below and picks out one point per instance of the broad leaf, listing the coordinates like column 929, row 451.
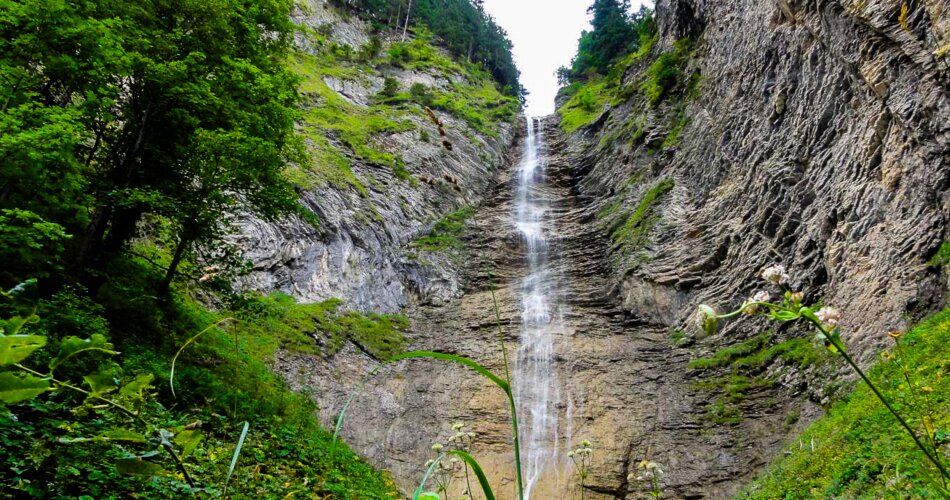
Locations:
column 135, row 466
column 14, row 389
column 71, row 346
column 135, row 388
column 123, row 435
column 188, row 441
column 13, row 325
column 101, row 383
column 15, row 348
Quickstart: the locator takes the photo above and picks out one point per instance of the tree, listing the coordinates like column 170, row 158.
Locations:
column 615, row 32
column 112, row 110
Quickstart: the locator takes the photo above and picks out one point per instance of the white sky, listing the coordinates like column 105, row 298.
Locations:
column 544, row 34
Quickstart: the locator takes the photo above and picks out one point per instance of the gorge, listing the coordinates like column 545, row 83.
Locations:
column 222, row 220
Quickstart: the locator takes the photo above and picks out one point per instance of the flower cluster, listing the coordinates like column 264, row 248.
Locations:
column 775, row 274
column 828, row 316
column 461, row 439
column 651, row 474
column 582, row 459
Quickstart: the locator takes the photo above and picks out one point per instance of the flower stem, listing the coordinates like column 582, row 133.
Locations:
column 880, row 396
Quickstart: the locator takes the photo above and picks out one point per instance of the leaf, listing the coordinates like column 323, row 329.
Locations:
column 123, row 435
column 188, row 441
column 429, row 495
column 71, row 346
column 479, row 473
column 15, row 348
column 418, row 495
column 135, row 466
column 101, row 383
column 14, row 389
column 13, row 325
column 237, row 451
column 783, row 315
column 135, row 388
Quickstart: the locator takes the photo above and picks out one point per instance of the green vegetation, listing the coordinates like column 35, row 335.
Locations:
column 352, row 125
column 634, row 234
column 743, row 363
column 858, row 450
column 62, row 442
column 942, row 257
column 584, row 106
column 445, row 234
column 666, row 73
column 110, row 114
column 462, row 26
column 615, row 33
column 756, row 352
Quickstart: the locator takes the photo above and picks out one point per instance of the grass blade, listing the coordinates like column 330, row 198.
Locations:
column 171, row 375
column 237, row 451
column 479, row 473
column 425, row 477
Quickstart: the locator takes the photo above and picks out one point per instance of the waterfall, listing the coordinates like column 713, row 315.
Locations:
column 536, row 383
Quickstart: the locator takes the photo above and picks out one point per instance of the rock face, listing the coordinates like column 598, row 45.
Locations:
column 819, row 140
column 357, row 253
column 817, row 137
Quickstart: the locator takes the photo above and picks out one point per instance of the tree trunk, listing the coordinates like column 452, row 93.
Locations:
column 176, row 260
column 406, row 26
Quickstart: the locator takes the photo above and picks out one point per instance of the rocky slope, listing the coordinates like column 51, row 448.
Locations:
column 375, row 193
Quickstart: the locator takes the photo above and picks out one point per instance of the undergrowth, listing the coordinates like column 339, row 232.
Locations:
column 855, row 450
column 286, row 453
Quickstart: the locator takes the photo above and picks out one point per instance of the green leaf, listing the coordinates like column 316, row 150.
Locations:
column 13, row 325
column 123, row 435
column 15, row 348
column 135, row 388
column 101, row 383
column 782, row 315
column 479, row 473
column 237, row 451
column 135, row 466
column 188, row 441
column 71, row 346
column 14, row 389
column 429, row 495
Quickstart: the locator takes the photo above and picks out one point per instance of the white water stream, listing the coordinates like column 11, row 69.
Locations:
column 536, row 381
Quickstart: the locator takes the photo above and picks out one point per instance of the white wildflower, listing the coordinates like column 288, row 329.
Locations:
column 457, row 426
column 585, row 444
column 437, row 447
column 775, row 274
column 828, row 316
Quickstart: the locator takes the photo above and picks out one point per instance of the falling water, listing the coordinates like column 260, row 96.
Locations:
column 535, row 378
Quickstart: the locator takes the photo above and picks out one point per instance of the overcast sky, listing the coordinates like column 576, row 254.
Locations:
column 544, row 33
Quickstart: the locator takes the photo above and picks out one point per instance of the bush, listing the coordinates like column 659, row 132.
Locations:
column 390, row 87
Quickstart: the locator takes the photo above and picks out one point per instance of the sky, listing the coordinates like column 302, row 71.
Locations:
column 544, row 34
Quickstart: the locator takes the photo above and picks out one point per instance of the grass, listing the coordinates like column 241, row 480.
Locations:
column 634, row 234
column 743, row 364
column 942, row 257
column 585, row 105
column 445, row 234
column 287, row 452
column 859, row 449
column 666, row 73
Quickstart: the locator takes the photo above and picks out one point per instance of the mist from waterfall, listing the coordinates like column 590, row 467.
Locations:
column 536, row 381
